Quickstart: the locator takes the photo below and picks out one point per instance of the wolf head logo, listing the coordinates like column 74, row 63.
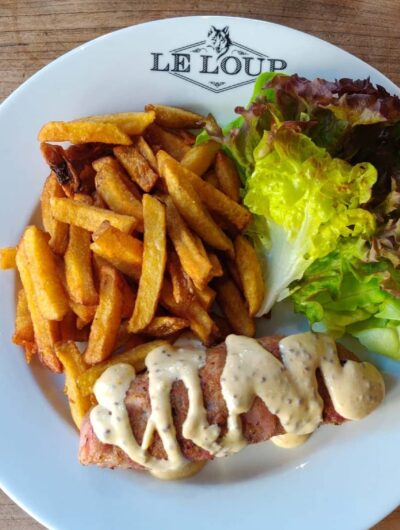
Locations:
column 219, row 40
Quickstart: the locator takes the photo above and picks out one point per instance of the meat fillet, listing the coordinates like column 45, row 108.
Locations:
column 259, row 424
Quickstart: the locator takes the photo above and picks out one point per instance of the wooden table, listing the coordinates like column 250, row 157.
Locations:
column 34, row 32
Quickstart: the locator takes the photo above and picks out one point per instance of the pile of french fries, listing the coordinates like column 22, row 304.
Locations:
column 142, row 234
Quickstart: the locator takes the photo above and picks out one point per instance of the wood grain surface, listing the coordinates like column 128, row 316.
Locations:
column 34, row 32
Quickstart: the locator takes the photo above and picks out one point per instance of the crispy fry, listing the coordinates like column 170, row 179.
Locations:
column 112, row 165
column 232, row 304
column 89, row 217
column 228, row 177
column 50, row 293
column 182, row 286
column 136, row 357
column 175, row 117
column 211, row 178
column 128, row 300
column 206, row 296
column 85, row 313
column 124, row 252
column 159, row 138
column 190, row 206
column 83, row 131
column 147, row 152
column 189, row 247
column 131, row 123
column 136, row 166
column 153, row 266
column 165, row 326
column 58, row 231
column 187, row 137
column 250, row 273
column 74, row 366
column 70, row 331
column 23, row 330
column 107, row 319
column 7, row 258
column 127, row 340
column 234, row 272
column 200, row 157
column 217, row 269
column 46, row 331
column 215, row 200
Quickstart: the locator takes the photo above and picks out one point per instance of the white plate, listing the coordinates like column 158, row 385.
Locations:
column 343, row 478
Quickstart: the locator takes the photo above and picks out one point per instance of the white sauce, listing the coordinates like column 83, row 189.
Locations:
column 289, row 389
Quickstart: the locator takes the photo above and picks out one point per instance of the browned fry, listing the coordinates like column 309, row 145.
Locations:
column 189, row 248
column 189, row 204
column 50, row 293
column 46, row 331
column 147, row 152
column 85, row 313
column 112, row 165
column 70, row 331
column 232, row 304
column 250, row 272
column 217, row 269
column 128, row 300
column 23, row 331
column 182, row 286
column 104, row 330
column 228, row 177
column 233, row 271
column 74, row 366
column 224, row 328
column 215, row 200
column 187, row 137
column 200, row 157
column 211, row 178
column 89, row 217
column 111, row 185
column 159, row 138
column 206, row 296
column 98, row 200
column 121, row 250
column 58, row 231
column 175, row 117
column 136, row 166
column 153, row 265
column 83, row 131
column 125, row 339
column 131, row 123
column 164, row 326
column 7, row 258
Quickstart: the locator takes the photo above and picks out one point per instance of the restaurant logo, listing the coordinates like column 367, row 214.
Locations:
column 217, row 63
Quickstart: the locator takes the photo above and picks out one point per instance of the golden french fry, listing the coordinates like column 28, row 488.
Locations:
column 85, row 313
column 175, row 117
column 234, row 308
column 123, row 251
column 206, row 296
column 200, row 157
column 107, row 319
column 164, row 326
column 189, row 247
column 7, row 258
column 46, row 331
column 78, row 267
column 23, row 330
column 127, row 340
column 217, row 269
column 111, row 185
column 74, row 366
column 250, row 273
column 131, row 123
column 147, row 152
column 98, row 201
column 153, row 266
column 89, row 217
column 83, row 131
column 214, row 199
column 182, row 286
column 190, row 206
column 136, row 357
column 50, row 293
column 136, row 166
column 228, row 177
column 58, row 231
column 159, row 138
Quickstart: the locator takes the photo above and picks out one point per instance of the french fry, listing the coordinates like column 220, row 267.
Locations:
column 89, row 217
column 136, row 166
column 74, row 366
column 123, row 251
column 23, row 330
column 165, row 326
column 147, row 152
column 7, row 258
column 111, row 186
column 83, row 131
column 159, row 138
column 128, row 300
column 50, row 293
column 189, row 247
column 187, row 137
column 127, row 340
column 234, row 308
column 217, row 269
column 175, row 117
column 70, row 331
column 58, row 231
column 234, row 272
column 153, row 266
column 46, row 331
column 85, row 313
column 228, row 177
column 182, row 286
column 132, row 123
column 211, row 178
column 214, row 199
column 135, row 357
column 224, row 328
column 190, row 206
column 206, row 296
column 250, row 273
column 200, row 157
column 110, row 164
column 107, row 319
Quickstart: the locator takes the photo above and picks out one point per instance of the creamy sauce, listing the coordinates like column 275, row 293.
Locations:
column 288, row 388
